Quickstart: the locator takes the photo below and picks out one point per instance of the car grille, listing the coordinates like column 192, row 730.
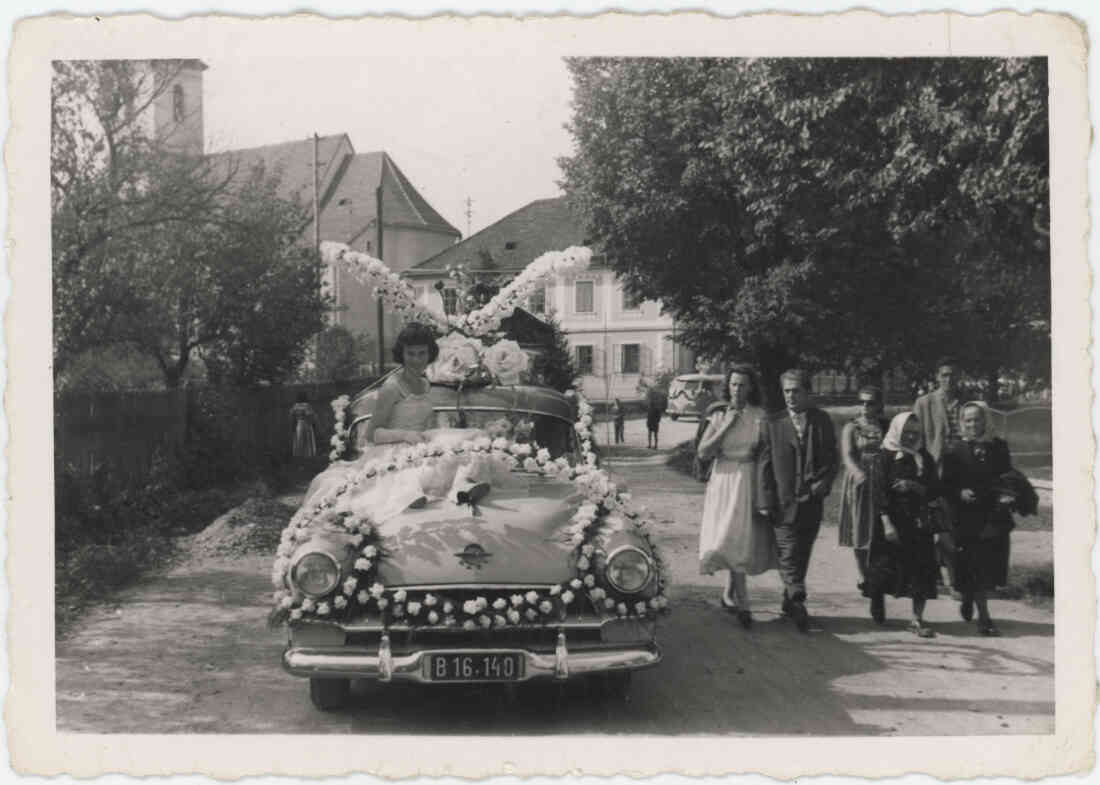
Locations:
column 540, row 635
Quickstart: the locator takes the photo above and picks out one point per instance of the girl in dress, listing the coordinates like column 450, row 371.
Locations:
column 303, row 424
column 902, row 553
column 860, row 442
column 732, row 537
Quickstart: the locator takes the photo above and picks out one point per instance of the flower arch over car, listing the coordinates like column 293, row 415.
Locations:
column 560, row 551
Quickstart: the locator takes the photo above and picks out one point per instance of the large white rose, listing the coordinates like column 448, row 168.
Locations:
column 458, row 357
column 506, row 361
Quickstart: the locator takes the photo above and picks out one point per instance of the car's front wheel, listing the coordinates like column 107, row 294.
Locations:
column 329, row 694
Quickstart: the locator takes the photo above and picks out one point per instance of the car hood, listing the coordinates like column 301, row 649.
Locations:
column 516, row 535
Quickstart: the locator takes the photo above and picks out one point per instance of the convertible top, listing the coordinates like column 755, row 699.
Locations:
column 519, row 399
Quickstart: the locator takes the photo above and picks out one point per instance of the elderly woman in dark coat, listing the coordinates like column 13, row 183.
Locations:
column 984, row 489
column 902, row 552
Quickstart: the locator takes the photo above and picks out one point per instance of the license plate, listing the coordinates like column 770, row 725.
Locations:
column 475, row 666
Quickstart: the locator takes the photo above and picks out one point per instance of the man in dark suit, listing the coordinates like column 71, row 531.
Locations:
column 798, row 463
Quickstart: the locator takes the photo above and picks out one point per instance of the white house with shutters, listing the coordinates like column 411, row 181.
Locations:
column 617, row 342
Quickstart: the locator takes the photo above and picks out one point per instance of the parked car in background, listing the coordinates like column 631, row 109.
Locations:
column 690, row 394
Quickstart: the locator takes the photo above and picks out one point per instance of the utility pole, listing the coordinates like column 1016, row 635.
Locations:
column 381, row 323
column 469, row 213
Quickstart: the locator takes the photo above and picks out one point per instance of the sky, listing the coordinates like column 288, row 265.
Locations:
column 485, row 128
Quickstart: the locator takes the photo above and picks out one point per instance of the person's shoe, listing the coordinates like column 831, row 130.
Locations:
column 728, row 604
column 800, row 615
column 988, row 629
column 966, row 608
column 419, row 504
column 878, row 608
column 921, row 630
column 745, row 617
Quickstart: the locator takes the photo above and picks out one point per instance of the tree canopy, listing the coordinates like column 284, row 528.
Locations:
column 169, row 253
column 864, row 214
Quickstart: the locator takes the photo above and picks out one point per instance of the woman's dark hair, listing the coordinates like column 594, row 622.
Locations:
column 746, row 370
column 302, row 397
column 415, row 334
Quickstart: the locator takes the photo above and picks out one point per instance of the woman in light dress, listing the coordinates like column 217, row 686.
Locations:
column 732, row 536
column 403, row 415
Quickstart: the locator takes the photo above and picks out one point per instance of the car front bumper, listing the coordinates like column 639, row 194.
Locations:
column 379, row 663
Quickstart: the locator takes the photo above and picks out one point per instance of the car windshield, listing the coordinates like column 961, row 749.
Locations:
column 555, row 435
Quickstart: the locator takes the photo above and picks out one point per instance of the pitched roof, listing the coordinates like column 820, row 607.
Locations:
column 515, row 240
column 343, row 175
column 294, row 160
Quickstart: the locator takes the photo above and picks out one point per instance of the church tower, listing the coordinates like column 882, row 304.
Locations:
column 177, row 107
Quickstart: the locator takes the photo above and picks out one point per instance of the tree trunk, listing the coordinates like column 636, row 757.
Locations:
column 771, row 361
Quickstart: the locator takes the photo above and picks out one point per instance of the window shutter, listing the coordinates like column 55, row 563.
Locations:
column 617, row 354
column 646, row 359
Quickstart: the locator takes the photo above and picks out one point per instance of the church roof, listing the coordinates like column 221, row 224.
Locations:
column 344, row 177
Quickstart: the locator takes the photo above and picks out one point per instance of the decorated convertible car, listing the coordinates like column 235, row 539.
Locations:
column 550, row 575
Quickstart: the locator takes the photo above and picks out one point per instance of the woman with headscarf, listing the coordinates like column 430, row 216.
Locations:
column 861, row 441
column 732, row 537
column 902, row 553
column 980, row 482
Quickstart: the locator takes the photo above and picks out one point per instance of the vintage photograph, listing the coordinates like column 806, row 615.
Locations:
column 571, row 393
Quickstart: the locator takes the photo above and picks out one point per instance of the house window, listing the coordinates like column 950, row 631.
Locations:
column 537, row 302
column 450, row 301
column 583, row 360
column 418, row 292
column 177, row 103
column 632, row 358
column 585, row 296
column 630, row 302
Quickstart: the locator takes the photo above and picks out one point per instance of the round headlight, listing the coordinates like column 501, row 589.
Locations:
column 316, row 574
column 628, row 570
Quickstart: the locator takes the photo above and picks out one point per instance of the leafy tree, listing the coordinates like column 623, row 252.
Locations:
column 855, row 213
column 340, row 354
column 554, row 366
column 167, row 252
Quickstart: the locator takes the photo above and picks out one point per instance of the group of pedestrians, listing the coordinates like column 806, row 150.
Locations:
column 928, row 487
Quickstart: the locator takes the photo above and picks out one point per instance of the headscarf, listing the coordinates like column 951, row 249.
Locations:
column 985, row 420
column 893, row 441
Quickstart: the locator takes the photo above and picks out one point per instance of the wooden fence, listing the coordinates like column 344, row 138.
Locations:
column 126, row 431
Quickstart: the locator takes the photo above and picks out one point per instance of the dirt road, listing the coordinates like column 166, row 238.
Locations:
column 188, row 651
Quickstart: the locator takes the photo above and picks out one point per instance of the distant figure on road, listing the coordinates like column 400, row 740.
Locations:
column 303, row 428
column 984, row 489
column 860, row 442
column 656, row 403
column 733, row 536
column 938, row 412
column 797, row 469
column 903, row 550
column 618, row 415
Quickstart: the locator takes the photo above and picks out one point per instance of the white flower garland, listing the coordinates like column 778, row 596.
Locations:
column 604, row 505
column 398, row 295
column 340, row 432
